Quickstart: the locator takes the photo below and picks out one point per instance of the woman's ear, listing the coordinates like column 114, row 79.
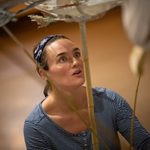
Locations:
column 42, row 73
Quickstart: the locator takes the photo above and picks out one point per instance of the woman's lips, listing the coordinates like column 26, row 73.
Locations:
column 77, row 72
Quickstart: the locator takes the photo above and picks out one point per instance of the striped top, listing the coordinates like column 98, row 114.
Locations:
column 112, row 114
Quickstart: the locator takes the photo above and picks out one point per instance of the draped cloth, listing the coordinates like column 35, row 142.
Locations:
column 136, row 21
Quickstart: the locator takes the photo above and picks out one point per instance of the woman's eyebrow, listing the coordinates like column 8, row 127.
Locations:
column 76, row 49
column 60, row 54
column 64, row 53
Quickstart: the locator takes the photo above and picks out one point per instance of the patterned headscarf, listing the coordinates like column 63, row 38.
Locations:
column 40, row 47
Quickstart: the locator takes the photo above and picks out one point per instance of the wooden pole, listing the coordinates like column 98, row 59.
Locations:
column 93, row 128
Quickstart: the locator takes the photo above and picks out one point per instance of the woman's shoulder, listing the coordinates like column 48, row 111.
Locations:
column 111, row 100
column 36, row 115
column 108, row 94
column 105, row 92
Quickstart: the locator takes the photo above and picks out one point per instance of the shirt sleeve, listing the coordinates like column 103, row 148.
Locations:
column 141, row 137
column 34, row 139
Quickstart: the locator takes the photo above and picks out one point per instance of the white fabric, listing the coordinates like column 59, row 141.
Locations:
column 136, row 20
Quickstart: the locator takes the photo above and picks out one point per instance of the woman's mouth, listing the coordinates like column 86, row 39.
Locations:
column 77, row 72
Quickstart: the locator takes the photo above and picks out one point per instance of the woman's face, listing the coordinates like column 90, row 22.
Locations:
column 65, row 64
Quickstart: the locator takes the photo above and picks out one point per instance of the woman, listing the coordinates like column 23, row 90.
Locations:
column 60, row 121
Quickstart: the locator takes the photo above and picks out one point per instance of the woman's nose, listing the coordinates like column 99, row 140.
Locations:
column 75, row 62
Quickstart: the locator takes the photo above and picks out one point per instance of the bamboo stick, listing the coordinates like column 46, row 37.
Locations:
column 133, row 113
column 95, row 140
column 15, row 39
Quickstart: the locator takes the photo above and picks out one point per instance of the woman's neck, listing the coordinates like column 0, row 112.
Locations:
column 64, row 101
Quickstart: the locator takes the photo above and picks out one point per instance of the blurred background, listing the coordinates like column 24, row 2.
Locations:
column 21, row 88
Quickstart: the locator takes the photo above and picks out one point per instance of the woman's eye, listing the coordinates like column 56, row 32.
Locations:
column 77, row 54
column 62, row 59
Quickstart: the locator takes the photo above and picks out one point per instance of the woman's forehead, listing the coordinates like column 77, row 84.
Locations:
column 59, row 46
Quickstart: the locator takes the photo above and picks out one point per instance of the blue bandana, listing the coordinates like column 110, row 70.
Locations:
column 39, row 49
